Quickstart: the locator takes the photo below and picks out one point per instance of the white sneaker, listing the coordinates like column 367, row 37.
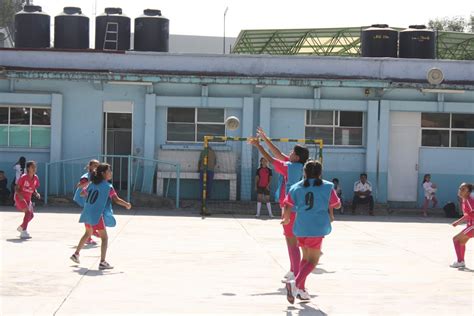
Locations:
column 458, row 264
column 303, row 295
column 288, row 277
column 257, row 215
column 271, row 216
column 24, row 235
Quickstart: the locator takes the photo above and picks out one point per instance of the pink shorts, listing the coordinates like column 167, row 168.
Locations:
column 469, row 231
column 310, row 242
column 21, row 204
column 99, row 226
column 288, row 229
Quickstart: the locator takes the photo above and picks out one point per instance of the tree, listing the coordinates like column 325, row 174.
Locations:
column 471, row 24
column 8, row 8
column 454, row 24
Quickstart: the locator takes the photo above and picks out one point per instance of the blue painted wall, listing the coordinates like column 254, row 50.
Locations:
column 279, row 109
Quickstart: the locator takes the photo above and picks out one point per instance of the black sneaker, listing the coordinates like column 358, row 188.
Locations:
column 290, row 291
column 104, row 265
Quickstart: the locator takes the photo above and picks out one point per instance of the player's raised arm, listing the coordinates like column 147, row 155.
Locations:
column 274, row 149
column 254, row 141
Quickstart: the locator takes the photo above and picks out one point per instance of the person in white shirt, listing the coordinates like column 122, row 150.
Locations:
column 430, row 193
column 363, row 194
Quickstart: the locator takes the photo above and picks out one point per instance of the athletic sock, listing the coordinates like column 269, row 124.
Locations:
column 459, row 252
column 259, row 207
column 303, row 274
column 269, row 208
column 295, row 258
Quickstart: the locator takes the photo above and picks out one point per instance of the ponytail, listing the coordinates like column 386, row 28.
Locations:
column 98, row 175
column 313, row 170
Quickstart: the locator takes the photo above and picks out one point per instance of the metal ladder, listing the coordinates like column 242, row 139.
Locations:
column 112, row 29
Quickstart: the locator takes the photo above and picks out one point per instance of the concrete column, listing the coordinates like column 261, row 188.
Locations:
column 384, row 138
column 371, row 145
column 56, row 127
column 246, row 160
column 149, row 142
column 265, row 112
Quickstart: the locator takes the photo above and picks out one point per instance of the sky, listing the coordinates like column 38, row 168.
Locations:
column 206, row 17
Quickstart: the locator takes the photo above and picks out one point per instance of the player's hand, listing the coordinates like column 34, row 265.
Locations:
column 331, row 216
column 38, row 196
column 254, row 141
column 455, row 223
column 285, row 221
column 261, row 133
column 128, row 206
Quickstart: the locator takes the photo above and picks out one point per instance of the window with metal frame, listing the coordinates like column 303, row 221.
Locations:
column 192, row 124
column 447, row 130
column 336, row 128
column 25, row 126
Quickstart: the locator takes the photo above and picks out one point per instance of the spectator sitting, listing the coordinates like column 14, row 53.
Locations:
column 4, row 192
column 363, row 194
column 338, row 189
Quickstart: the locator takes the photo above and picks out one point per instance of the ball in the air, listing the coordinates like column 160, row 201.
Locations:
column 232, row 123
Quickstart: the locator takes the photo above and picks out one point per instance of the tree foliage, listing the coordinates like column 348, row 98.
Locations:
column 453, row 24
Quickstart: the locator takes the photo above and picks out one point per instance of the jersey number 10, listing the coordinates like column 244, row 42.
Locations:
column 92, row 197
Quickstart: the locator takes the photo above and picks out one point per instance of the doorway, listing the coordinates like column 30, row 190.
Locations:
column 118, row 140
column 403, row 156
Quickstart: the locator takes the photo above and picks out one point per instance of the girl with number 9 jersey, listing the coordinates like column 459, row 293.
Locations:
column 311, row 199
column 97, row 212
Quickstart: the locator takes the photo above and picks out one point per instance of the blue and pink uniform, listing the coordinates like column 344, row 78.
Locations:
column 312, row 222
column 97, row 212
column 85, row 178
column 292, row 172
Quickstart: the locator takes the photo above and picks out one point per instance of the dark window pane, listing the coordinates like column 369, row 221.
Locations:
column 321, row 118
column 3, row 115
column 435, row 138
column 119, row 120
column 41, row 117
column 324, row 133
column 351, row 119
column 463, row 121
column 434, row 120
column 20, row 116
column 181, row 115
column 462, row 139
column 209, row 130
column 181, row 132
column 348, row 136
column 211, row 115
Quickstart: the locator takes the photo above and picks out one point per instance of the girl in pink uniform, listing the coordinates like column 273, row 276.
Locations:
column 467, row 233
column 24, row 189
column 291, row 168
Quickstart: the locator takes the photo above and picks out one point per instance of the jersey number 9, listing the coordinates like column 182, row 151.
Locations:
column 309, row 200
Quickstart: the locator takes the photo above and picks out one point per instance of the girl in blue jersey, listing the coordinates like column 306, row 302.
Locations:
column 290, row 167
column 310, row 198
column 97, row 212
column 80, row 187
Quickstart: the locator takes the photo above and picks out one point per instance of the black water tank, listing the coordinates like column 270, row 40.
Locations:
column 71, row 29
column 32, row 28
column 379, row 41
column 118, row 36
column 152, row 32
column 417, row 42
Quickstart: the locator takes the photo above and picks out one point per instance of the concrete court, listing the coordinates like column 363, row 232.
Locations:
column 181, row 264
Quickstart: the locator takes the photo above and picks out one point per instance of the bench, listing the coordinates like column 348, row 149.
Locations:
column 231, row 177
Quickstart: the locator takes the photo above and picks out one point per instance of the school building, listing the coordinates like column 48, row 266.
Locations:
column 375, row 115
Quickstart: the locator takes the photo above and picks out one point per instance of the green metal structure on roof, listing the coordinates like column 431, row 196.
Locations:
column 337, row 42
